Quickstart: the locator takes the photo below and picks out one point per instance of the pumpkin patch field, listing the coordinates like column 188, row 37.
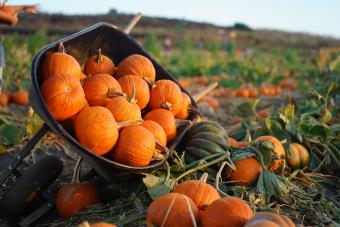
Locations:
column 230, row 130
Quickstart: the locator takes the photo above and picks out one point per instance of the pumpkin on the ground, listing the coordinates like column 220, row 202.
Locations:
column 211, row 101
column 97, row 224
column 201, row 193
column 63, row 96
column 266, row 219
column 172, row 209
column 135, row 146
column 165, row 119
column 278, row 148
column 20, row 98
column 299, row 156
column 247, row 170
column 99, row 64
column 5, row 98
column 100, row 88
column 167, row 95
column 60, row 62
column 226, row 212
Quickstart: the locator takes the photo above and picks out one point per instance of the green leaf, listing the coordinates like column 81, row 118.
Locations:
column 247, row 109
column 156, row 186
column 240, row 154
column 10, row 134
column 326, row 117
column 314, row 160
column 266, row 149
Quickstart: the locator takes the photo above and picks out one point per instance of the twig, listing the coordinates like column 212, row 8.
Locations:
column 199, row 96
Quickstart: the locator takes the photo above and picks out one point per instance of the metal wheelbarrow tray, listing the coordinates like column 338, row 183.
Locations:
column 117, row 45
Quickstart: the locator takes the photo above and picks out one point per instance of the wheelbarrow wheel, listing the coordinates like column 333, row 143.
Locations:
column 29, row 185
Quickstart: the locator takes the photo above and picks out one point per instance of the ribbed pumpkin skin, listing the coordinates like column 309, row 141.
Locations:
column 278, row 149
column 201, row 193
column 103, row 224
column 4, row 98
column 96, row 129
column 142, row 89
column 166, row 91
column 247, row 170
column 105, row 66
column 98, row 89
column 184, row 111
column 123, row 110
column 72, row 198
column 181, row 210
column 63, row 96
column 270, row 219
column 226, row 212
column 135, row 146
column 156, row 130
column 56, row 63
column 165, row 119
column 20, row 98
column 137, row 65
column 299, row 156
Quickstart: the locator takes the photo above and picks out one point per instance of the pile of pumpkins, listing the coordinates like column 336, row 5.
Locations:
column 104, row 98
column 19, row 97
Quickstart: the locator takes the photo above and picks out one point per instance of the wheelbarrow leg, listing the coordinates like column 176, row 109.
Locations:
column 23, row 153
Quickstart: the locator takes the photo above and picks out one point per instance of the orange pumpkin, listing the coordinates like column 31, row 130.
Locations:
column 5, row 98
column 213, row 102
column 263, row 113
column 201, row 193
column 185, row 83
column 288, row 84
column 253, row 92
column 165, row 119
column 96, row 129
column 226, row 212
column 299, row 156
column 265, row 90
column 98, row 224
column 135, row 146
column 167, row 95
column 156, row 130
column 142, row 89
column 279, row 150
column 99, row 64
column 72, row 198
column 60, row 62
column 184, row 111
column 137, row 65
column 247, row 170
column 172, row 209
column 124, row 109
column 278, row 90
column 235, row 144
column 243, row 92
column 229, row 92
column 266, row 219
column 100, row 88
column 63, row 95
column 20, row 98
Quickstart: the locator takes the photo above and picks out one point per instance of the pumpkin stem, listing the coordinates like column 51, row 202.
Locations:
column 111, row 93
column 204, row 178
column 151, row 84
column 181, row 122
column 157, row 156
column 248, row 136
column 200, row 95
column 84, row 224
column 166, row 105
column 132, row 98
column 61, row 48
column 124, row 124
column 192, row 109
column 99, row 56
column 76, row 172
column 162, row 148
column 217, row 180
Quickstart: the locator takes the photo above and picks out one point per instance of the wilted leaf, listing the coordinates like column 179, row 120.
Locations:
column 326, row 117
column 156, row 186
column 247, row 109
column 289, row 112
column 34, row 124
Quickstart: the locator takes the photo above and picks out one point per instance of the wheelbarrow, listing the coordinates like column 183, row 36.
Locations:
column 116, row 44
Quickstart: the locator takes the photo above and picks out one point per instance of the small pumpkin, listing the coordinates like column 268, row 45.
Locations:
column 184, row 111
column 99, row 64
column 156, row 130
column 135, row 146
column 165, row 119
column 243, row 92
column 63, row 96
column 201, row 193
column 142, row 89
column 211, row 101
column 185, row 83
column 247, row 170
column 279, row 150
column 124, row 109
column 98, row 224
column 288, row 84
column 167, row 95
column 172, row 209
column 226, row 212
column 60, row 62
column 253, row 92
column 20, row 98
column 265, row 90
column 263, row 113
column 266, row 219
column 97, row 130
column 5, row 98
column 137, row 65
column 236, row 144
column 299, row 156
column 100, row 88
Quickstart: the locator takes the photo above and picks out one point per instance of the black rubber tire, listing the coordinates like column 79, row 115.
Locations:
column 26, row 188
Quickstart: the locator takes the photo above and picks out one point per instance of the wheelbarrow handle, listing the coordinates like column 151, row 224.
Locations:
column 24, row 153
column 132, row 23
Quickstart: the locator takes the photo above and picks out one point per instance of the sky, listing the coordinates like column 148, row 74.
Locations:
column 320, row 17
